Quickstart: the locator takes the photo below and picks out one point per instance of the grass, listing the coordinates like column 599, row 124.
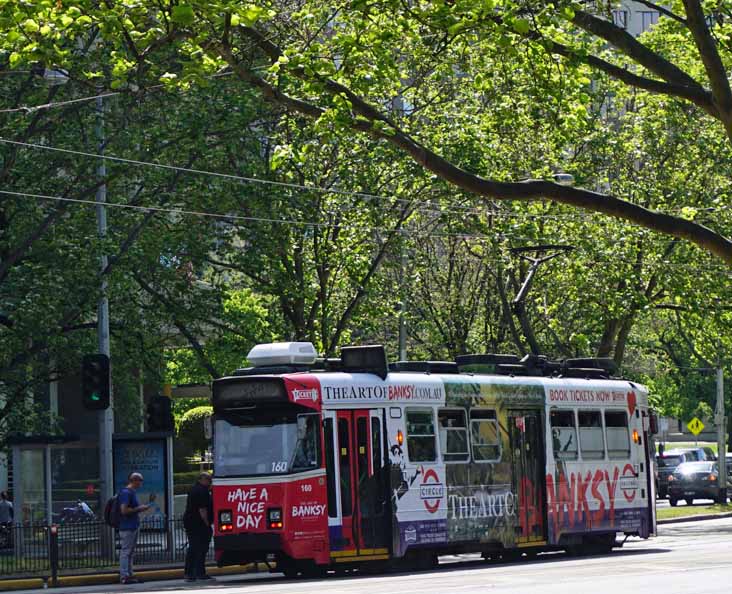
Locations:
column 682, row 445
column 694, row 510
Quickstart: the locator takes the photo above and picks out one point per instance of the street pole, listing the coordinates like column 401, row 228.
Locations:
column 106, row 416
column 721, row 434
column 403, row 309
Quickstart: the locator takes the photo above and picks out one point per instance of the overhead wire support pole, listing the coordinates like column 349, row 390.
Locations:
column 106, row 416
column 719, row 419
column 403, row 306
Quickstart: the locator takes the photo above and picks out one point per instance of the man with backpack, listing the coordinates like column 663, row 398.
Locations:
column 129, row 526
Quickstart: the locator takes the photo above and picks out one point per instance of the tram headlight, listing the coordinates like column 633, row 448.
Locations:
column 226, row 520
column 274, row 518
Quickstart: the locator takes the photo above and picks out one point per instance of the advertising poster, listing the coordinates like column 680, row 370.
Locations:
column 148, row 458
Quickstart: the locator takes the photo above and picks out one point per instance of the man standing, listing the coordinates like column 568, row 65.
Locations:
column 129, row 526
column 198, row 520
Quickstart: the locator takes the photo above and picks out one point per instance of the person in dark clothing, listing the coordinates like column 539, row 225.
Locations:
column 198, row 522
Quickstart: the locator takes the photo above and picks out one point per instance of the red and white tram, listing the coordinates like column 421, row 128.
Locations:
column 318, row 468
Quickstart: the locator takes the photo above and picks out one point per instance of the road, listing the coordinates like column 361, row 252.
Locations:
column 661, row 503
column 686, row 558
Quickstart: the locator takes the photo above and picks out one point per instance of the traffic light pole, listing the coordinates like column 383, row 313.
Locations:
column 106, row 416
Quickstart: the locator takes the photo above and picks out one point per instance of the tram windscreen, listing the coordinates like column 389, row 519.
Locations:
column 254, row 445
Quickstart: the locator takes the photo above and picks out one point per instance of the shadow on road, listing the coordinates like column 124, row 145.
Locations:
column 446, row 566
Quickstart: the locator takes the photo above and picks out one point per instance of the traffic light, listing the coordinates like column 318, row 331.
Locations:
column 95, row 382
column 159, row 415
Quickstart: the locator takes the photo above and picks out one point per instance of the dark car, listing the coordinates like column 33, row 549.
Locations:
column 666, row 465
column 694, row 480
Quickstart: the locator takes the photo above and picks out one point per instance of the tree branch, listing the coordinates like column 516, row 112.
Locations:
column 631, row 47
column 696, row 94
column 712, row 61
column 182, row 328
column 663, row 11
column 526, row 190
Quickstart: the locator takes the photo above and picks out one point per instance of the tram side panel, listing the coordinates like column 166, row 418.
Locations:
column 596, row 468
column 494, row 498
column 469, row 473
column 417, row 481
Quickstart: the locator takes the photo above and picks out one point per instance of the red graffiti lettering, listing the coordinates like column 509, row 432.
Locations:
column 611, row 488
column 599, row 514
column 583, row 508
column 552, row 505
column 566, row 497
column 529, row 516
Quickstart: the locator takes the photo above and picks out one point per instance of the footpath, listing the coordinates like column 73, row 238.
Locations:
column 109, row 578
column 171, row 574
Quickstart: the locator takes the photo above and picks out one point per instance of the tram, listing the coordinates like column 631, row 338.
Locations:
column 357, row 463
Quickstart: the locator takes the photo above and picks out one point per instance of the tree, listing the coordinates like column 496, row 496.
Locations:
column 49, row 250
column 191, row 429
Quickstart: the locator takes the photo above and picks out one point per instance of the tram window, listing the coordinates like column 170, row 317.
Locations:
column 421, row 435
column 307, row 447
column 376, row 443
column 592, row 441
column 344, row 456
column 564, row 435
column 453, row 434
column 485, row 439
column 618, row 439
column 330, row 468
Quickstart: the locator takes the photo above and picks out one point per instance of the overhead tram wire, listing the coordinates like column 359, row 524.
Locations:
column 710, row 267
column 230, row 176
column 300, row 187
column 474, row 210
column 502, row 236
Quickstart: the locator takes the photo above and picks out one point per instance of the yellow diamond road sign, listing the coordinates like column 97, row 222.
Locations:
column 695, row 426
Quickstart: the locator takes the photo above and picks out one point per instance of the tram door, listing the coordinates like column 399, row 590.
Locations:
column 527, row 461
column 363, row 482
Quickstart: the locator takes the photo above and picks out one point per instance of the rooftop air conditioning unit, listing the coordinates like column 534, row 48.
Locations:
column 282, row 353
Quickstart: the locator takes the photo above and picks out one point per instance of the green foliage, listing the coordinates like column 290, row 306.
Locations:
column 182, row 405
column 480, row 82
column 190, row 427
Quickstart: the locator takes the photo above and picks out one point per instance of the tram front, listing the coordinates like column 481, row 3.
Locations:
column 269, row 492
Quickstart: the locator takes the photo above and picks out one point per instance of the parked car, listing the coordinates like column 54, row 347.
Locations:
column 666, row 465
column 705, row 454
column 695, row 480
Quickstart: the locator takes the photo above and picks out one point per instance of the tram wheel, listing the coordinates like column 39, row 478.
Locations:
column 290, row 571
column 602, row 545
column 689, row 501
column 672, row 502
column 511, row 555
column 420, row 560
column 315, row 571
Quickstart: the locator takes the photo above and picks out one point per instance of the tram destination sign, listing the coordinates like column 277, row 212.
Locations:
column 234, row 392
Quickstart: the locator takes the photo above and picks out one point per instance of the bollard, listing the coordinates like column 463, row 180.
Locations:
column 53, row 554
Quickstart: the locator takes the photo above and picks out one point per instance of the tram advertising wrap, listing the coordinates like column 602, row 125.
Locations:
column 316, row 469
